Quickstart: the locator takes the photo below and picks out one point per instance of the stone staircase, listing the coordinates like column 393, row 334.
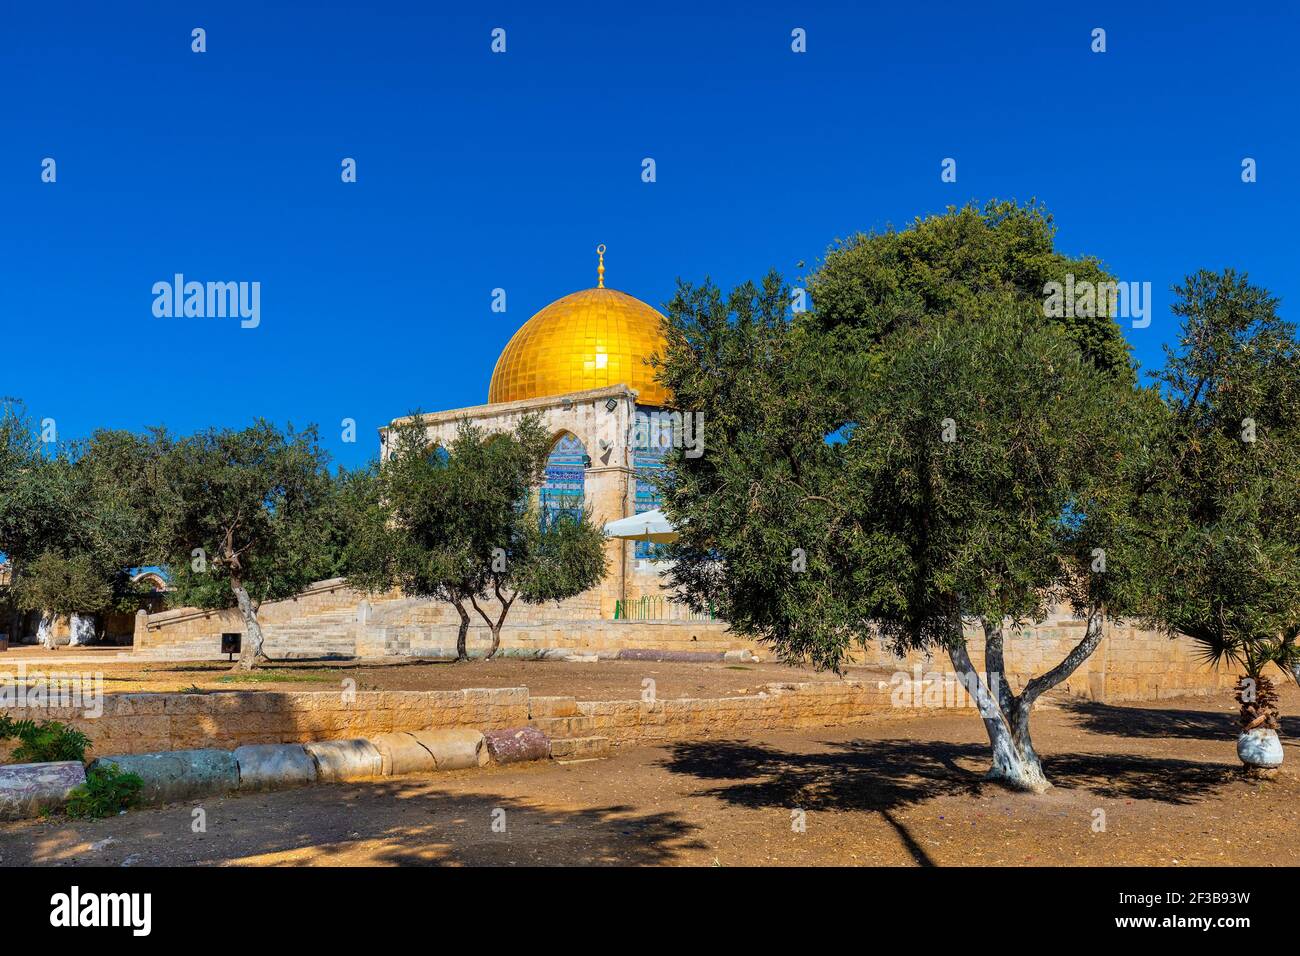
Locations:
column 330, row 634
column 572, row 735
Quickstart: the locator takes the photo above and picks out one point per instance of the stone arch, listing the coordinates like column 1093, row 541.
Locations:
column 563, row 489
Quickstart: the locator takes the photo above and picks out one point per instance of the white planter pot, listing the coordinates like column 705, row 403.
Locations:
column 1260, row 748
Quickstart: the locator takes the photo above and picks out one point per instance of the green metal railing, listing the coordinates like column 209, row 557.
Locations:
column 648, row 608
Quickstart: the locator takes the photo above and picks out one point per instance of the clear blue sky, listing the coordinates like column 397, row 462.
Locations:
column 479, row 171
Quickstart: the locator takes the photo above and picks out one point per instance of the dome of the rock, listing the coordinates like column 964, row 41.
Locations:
column 588, row 339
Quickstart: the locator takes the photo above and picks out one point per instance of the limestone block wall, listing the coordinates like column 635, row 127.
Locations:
column 776, row 707
column 321, row 619
column 330, row 618
column 144, row 723
column 1130, row 663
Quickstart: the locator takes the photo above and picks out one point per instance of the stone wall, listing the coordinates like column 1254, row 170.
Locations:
column 330, row 618
column 1130, row 664
column 777, row 707
column 144, row 723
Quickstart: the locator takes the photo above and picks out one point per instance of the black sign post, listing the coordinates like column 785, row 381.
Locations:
column 231, row 644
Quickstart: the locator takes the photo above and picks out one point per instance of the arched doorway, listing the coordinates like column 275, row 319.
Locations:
column 563, row 487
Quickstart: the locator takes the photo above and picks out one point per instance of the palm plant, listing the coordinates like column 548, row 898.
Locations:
column 1255, row 690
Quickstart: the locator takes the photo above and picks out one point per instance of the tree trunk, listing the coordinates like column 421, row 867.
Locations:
column 251, row 653
column 461, row 653
column 495, row 626
column 1006, row 715
column 45, row 631
column 82, row 628
column 1015, row 762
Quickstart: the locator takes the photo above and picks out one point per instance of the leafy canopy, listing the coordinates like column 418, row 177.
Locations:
column 249, row 501
column 1224, row 500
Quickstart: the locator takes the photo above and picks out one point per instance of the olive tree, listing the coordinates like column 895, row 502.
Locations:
column 241, row 519
column 460, row 524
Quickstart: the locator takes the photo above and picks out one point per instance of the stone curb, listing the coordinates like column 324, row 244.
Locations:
column 402, row 753
column 274, row 766
column 179, row 775
column 338, row 760
column 28, row 788
column 454, row 748
column 647, row 654
column 517, row 744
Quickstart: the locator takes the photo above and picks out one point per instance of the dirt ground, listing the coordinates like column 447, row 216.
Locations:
column 1143, row 784
column 605, row 680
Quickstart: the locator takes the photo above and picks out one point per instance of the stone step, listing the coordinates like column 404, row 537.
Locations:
column 580, row 748
column 552, row 707
column 564, row 726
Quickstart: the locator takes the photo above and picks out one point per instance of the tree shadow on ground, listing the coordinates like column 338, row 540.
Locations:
column 884, row 775
column 405, row 823
column 1135, row 777
column 1098, row 718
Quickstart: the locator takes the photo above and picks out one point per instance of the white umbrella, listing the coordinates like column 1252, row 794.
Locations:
column 646, row 526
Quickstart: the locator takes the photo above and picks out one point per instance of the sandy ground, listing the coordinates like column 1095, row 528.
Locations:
column 605, row 680
column 1146, row 784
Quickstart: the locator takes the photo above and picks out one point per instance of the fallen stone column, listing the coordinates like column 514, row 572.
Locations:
column 517, row 744
column 178, row 774
column 402, row 753
column 273, row 766
column 345, row 759
column 453, row 748
column 28, row 788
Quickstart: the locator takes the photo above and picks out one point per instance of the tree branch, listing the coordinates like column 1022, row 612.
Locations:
column 1070, row 663
column 486, row 620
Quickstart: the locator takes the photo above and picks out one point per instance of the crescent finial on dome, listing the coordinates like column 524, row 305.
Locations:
column 600, row 268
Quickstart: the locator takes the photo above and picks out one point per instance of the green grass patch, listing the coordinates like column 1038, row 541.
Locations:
column 280, row 677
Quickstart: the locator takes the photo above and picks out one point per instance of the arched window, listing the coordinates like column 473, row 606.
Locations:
column 562, row 488
column 652, row 440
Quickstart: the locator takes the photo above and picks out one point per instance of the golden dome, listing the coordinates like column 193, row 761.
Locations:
column 589, row 339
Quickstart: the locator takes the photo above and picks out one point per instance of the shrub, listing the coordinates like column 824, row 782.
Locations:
column 44, row 742
column 107, row 790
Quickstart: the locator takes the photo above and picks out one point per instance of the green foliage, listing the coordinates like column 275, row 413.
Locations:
column 924, row 450
column 1224, row 502
column 45, row 742
column 59, row 584
column 240, row 516
column 965, row 263
column 904, row 533
column 108, row 790
column 460, row 524
column 74, row 516
column 556, row 557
